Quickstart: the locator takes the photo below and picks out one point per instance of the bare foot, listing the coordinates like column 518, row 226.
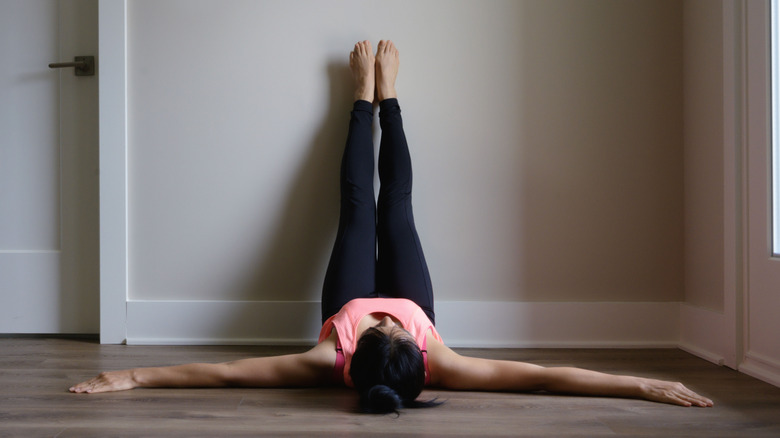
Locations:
column 386, row 70
column 361, row 62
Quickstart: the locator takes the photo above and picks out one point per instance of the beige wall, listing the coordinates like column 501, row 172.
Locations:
column 703, row 110
column 601, row 171
column 547, row 141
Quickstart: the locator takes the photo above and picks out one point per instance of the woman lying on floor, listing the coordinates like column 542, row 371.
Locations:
column 378, row 332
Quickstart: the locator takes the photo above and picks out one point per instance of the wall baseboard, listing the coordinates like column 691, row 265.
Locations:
column 761, row 367
column 702, row 332
column 461, row 323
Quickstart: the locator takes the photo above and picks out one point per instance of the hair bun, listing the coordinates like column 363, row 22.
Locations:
column 382, row 399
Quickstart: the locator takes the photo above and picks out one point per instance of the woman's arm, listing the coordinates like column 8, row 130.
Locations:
column 312, row 368
column 453, row 371
column 586, row 382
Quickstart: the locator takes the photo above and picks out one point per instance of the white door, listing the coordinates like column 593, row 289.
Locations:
column 762, row 298
column 48, row 169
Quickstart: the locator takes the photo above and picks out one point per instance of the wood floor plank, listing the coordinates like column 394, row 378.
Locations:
column 35, row 374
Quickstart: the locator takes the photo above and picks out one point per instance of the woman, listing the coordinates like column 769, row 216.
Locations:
column 378, row 331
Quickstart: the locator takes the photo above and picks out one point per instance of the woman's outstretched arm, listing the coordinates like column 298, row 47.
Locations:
column 312, row 368
column 453, row 371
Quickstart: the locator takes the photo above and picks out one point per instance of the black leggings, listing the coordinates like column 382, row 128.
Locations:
column 356, row 269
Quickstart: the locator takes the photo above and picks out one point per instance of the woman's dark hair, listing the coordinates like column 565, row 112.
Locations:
column 388, row 372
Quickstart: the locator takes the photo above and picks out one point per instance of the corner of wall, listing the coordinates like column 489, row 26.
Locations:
column 702, row 332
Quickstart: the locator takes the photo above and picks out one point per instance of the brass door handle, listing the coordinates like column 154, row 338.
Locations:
column 85, row 65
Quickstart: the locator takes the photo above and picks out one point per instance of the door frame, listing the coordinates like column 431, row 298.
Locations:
column 744, row 140
column 734, row 183
column 760, row 266
column 112, row 55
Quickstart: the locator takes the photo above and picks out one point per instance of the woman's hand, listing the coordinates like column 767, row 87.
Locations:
column 106, row 382
column 671, row 392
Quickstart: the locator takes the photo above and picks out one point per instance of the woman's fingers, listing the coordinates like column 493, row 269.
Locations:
column 89, row 386
column 698, row 400
column 105, row 382
column 674, row 393
column 688, row 396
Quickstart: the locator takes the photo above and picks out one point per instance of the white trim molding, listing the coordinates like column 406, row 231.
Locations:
column 112, row 56
column 733, row 184
column 762, row 271
column 761, row 367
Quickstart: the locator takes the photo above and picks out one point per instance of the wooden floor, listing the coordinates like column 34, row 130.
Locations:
column 35, row 374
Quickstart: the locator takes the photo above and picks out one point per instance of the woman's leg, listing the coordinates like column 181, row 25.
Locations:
column 351, row 270
column 401, row 268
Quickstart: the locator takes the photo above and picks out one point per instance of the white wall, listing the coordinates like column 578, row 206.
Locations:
column 546, row 139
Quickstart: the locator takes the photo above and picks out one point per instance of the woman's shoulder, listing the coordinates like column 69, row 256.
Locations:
column 434, row 343
column 439, row 355
column 324, row 352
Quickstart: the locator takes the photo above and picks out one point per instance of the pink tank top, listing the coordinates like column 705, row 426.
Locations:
column 409, row 314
